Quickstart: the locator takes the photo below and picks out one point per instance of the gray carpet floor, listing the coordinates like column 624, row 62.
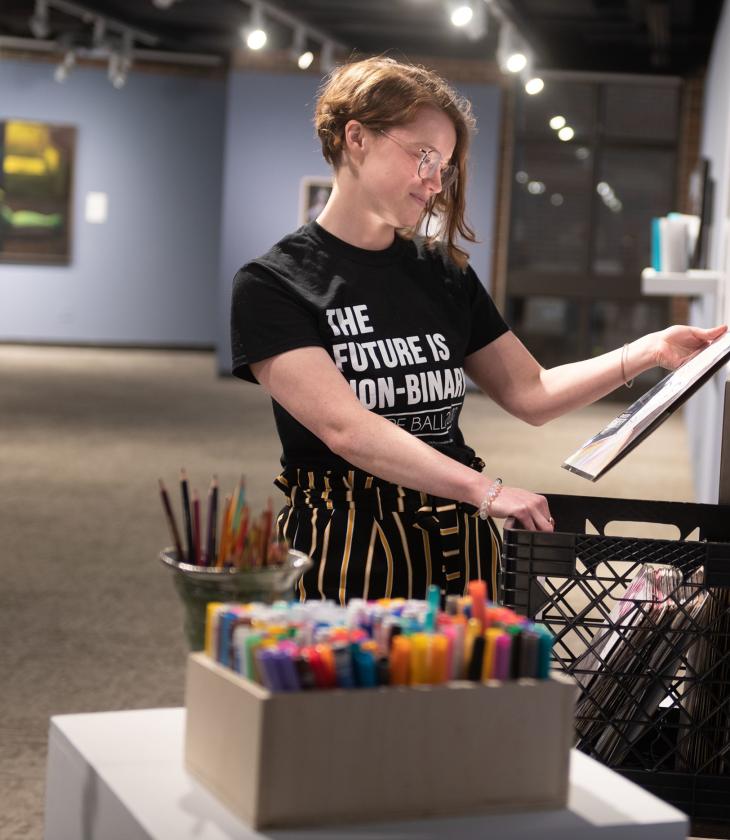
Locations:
column 89, row 620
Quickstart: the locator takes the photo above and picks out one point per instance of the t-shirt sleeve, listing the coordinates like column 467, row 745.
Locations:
column 268, row 317
column 485, row 321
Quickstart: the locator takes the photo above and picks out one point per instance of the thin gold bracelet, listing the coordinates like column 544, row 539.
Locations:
column 624, row 358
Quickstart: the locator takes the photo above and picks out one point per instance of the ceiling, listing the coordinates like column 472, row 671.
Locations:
column 634, row 36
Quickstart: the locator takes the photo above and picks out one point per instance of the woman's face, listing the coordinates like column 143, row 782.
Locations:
column 390, row 182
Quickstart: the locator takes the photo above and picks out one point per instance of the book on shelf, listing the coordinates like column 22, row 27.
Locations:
column 641, row 418
column 674, row 241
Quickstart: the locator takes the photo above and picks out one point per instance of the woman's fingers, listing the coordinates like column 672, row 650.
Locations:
column 530, row 510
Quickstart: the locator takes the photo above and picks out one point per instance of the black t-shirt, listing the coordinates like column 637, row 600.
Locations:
column 398, row 324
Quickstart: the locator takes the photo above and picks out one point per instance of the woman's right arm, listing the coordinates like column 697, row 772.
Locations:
column 307, row 384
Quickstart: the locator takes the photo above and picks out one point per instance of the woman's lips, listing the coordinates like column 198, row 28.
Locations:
column 421, row 201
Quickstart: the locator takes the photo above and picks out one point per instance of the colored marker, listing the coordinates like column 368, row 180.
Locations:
column 490, row 652
column 502, row 657
column 420, row 654
column 476, row 661
column 544, row 651
column 528, row 654
column 400, row 659
column 478, row 592
column 439, row 665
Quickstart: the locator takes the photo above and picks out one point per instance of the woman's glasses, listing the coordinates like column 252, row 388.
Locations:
column 430, row 163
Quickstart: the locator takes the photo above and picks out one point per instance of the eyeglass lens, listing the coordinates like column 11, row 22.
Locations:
column 430, row 165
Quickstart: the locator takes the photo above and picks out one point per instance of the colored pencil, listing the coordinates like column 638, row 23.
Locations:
column 212, row 523
column 225, row 533
column 187, row 518
column 196, row 530
column 171, row 522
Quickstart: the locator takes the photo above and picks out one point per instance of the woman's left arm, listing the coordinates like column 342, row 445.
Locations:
column 511, row 376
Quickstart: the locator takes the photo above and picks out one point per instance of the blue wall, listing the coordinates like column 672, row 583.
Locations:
column 270, row 146
column 149, row 275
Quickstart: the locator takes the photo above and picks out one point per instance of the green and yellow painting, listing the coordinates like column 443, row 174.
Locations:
column 35, row 191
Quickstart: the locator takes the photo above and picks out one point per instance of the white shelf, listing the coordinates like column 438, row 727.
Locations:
column 692, row 283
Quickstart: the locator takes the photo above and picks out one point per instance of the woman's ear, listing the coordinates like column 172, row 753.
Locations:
column 354, row 138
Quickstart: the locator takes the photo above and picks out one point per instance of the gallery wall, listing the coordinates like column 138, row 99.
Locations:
column 148, row 275
column 270, row 146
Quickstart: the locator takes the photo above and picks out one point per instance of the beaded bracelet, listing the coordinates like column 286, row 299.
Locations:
column 624, row 357
column 495, row 488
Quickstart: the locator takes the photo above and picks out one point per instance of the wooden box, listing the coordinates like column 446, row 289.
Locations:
column 295, row 759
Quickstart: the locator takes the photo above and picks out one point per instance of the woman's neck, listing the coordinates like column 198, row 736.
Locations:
column 345, row 218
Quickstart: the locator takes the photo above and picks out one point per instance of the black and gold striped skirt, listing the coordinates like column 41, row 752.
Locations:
column 371, row 539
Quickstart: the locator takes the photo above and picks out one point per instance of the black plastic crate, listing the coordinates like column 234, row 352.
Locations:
column 653, row 672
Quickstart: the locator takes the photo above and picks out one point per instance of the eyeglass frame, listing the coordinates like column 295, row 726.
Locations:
column 447, row 174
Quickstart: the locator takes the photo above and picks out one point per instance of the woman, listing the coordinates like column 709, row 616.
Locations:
column 361, row 332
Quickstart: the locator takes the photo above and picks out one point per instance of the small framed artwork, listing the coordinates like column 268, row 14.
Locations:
column 313, row 195
column 36, row 179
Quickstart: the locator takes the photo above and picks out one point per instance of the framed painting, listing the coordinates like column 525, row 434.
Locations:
column 313, row 195
column 36, row 180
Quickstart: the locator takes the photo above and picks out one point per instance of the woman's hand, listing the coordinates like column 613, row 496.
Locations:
column 675, row 345
column 530, row 510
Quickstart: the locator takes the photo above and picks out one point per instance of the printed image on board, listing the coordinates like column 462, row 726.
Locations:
column 313, row 195
column 36, row 175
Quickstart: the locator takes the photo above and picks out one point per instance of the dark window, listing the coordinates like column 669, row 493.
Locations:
column 581, row 211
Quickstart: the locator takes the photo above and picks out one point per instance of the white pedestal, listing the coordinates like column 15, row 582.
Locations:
column 120, row 775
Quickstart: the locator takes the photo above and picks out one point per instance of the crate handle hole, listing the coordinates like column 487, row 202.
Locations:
column 650, row 530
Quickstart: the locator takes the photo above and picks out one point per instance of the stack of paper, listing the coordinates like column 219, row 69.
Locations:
column 632, row 668
column 705, row 719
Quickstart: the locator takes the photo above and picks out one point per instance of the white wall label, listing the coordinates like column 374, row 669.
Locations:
column 96, row 208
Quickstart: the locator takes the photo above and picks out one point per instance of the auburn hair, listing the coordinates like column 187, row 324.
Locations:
column 381, row 93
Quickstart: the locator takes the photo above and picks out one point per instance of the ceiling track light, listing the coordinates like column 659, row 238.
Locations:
column 304, row 62
column 101, row 24
column 470, row 16
column 98, row 36
column 514, row 55
column 120, row 61
column 60, row 74
column 299, row 42
column 304, row 37
column 327, row 57
column 299, row 52
column 255, row 34
column 511, row 52
column 461, row 13
column 39, row 24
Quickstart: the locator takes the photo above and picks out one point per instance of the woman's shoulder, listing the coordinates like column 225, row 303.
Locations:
column 287, row 256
